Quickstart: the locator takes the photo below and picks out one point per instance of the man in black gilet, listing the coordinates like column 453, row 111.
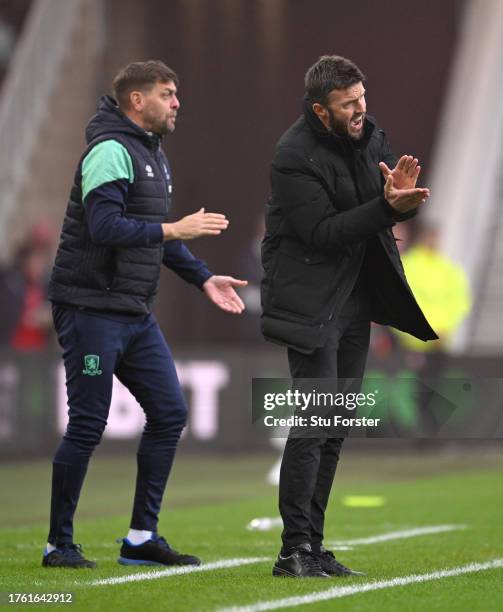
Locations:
column 115, row 236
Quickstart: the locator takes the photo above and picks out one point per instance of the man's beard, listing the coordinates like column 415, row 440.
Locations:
column 157, row 126
column 341, row 128
column 161, row 128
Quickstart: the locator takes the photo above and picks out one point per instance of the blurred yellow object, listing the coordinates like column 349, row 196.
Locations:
column 363, row 501
column 442, row 291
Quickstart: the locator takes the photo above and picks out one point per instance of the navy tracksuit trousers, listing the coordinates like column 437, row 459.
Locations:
column 96, row 347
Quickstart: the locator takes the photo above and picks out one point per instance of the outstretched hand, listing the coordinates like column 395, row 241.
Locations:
column 195, row 225
column 404, row 174
column 220, row 290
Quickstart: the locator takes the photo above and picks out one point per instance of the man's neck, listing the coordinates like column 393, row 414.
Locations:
column 136, row 119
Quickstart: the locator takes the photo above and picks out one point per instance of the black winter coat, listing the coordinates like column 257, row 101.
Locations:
column 326, row 222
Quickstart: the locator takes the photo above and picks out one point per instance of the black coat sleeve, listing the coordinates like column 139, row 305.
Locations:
column 308, row 210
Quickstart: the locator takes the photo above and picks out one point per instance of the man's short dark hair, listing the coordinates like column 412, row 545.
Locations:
column 328, row 73
column 141, row 76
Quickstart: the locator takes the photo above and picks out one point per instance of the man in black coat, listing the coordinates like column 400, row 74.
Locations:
column 331, row 267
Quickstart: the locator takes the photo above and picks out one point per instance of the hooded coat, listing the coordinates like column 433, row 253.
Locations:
column 327, row 222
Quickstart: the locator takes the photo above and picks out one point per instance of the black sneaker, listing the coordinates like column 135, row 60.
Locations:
column 67, row 555
column 155, row 551
column 300, row 563
column 331, row 566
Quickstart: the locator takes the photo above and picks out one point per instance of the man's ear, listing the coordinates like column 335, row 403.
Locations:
column 321, row 112
column 136, row 101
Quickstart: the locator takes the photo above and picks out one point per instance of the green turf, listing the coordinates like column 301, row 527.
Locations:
column 209, row 503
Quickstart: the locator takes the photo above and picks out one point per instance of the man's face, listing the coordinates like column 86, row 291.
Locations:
column 345, row 111
column 159, row 109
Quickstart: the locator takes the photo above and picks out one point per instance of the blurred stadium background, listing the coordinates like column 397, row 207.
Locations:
column 434, row 83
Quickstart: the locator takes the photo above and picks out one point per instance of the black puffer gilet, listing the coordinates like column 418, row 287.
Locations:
column 105, row 278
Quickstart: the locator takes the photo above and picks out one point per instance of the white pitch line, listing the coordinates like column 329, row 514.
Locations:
column 340, row 544
column 345, row 591
column 177, row 571
column 397, row 535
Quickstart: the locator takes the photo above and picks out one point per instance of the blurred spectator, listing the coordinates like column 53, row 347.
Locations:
column 442, row 291
column 441, row 288
column 25, row 316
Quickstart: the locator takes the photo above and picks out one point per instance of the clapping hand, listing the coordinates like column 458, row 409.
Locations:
column 404, row 174
column 400, row 188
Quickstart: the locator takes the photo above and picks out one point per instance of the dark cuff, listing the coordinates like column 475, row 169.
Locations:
column 155, row 234
column 389, row 209
column 202, row 276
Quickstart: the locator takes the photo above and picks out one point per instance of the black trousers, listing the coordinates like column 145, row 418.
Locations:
column 309, row 464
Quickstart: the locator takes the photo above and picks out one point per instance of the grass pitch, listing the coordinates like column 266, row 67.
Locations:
column 210, row 501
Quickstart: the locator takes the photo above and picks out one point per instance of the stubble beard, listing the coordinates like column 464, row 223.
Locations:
column 158, row 126
column 340, row 128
